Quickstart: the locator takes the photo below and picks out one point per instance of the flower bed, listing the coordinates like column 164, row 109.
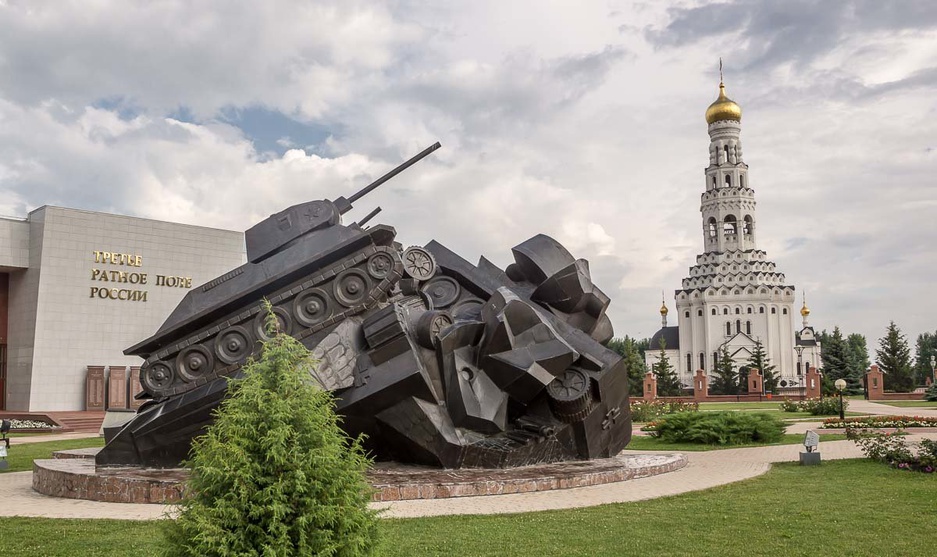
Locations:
column 880, row 422
column 18, row 424
column 645, row 411
column 828, row 406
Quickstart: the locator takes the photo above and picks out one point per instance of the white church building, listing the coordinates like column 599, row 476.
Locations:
column 734, row 295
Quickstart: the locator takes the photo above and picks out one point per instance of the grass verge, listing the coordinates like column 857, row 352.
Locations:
column 854, row 507
column 909, row 403
column 645, row 443
column 21, row 457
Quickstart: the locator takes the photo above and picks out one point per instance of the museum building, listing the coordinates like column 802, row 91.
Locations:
column 78, row 287
column 734, row 295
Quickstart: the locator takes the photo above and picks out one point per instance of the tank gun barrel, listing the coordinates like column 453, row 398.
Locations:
column 377, row 183
column 369, row 216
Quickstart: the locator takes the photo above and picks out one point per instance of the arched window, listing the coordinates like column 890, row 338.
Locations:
column 712, row 226
column 785, row 311
column 738, row 311
column 725, row 149
column 689, row 361
column 686, row 314
column 702, row 360
column 761, row 310
column 699, row 313
column 748, row 225
column 748, row 327
column 728, row 181
column 774, row 310
column 729, row 225
column 749, row 310
column 714, row 311
column 738, row 325
column 714, row 182
column 728, row 328
column 725, row 311
column 799, row 370
column 715, row 359
column 742, row 181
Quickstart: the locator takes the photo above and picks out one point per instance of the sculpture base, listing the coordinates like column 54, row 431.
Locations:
column 73, row 474
column 810, row 459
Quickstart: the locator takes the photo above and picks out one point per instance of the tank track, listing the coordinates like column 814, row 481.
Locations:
column 356, row 284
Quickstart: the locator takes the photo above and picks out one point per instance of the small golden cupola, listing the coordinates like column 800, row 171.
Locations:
column 663, row 311
column 723, row 108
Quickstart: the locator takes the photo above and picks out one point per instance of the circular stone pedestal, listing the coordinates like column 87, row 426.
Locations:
column 73, row 474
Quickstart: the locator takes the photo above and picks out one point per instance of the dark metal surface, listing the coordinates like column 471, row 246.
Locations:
column 436, row 360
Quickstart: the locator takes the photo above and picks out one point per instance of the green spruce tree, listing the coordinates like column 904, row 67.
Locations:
column 634, row 363
column 759, row 359
column 725, row 377
column 857, row 363
column 275, row 475
column 924, row 349
column 668, row 384
column 894, row 359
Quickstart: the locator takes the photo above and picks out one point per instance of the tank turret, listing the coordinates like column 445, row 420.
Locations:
column 314, row 270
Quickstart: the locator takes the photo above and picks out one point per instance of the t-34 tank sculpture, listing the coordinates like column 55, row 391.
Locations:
column 436, row 360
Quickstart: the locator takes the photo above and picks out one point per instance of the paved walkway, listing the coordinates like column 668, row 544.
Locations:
column 883, row 409
column 705, row 470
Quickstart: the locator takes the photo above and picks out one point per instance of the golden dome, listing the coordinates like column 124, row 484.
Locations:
column 663, row 308
column 723, row 108
column 805, row 311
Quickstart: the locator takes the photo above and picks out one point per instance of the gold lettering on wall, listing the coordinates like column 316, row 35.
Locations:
column 100, row 275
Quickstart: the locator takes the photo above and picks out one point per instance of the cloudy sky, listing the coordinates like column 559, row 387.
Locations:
column 582, row 120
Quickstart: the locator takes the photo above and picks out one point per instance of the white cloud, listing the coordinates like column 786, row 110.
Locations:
column 554, row 118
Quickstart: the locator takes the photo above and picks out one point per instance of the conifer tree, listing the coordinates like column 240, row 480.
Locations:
column 857, row 362
column 725, row 376
column 925, row 347
column 894, row 359
column 275, row 475
column 759, row 359
column 634, row 363
column 668, row 384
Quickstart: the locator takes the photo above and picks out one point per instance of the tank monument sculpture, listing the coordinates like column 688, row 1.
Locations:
column 438, row 361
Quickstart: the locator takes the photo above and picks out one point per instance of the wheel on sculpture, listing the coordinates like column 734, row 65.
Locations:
column 352, row 287
column 570, row 395
column 156, row 377
column 442, row 291
column 284, row 323
column 194, row 362
column 233, row 345
column 311, row 307
column 419, row 263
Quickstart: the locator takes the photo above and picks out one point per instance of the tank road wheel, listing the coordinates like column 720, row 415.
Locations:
column 419, row 263
column 157, row 377
column 380, row 265
column 233, row 345
column 352, row 287
column 429, row 325
column 443, row 291
column 194, row 362
column 311, row 307
column 284, row 323
column 570, row 396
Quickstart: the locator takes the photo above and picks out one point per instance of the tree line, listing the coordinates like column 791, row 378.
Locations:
column 842, row 357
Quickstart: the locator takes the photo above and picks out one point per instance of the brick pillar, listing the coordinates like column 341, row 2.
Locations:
column 94, row 388
column 754, row 381
column 700, row 385
column 875, row 380
column 812, row 380
column 135, row 387
column 650, row 386
column 117, row 388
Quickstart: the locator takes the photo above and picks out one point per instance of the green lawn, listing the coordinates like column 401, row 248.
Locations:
column 645, row 443
column 857, row 508
column 908, row 403
column 21, row 457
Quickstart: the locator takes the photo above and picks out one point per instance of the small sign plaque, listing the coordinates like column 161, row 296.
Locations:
column 811, row 440
column 3, row 450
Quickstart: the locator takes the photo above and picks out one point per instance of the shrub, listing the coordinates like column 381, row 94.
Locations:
column 275, row 475
column 930, row 394
column 892, row 449
column 646, row 411
column 719, row 428
column 828, row 406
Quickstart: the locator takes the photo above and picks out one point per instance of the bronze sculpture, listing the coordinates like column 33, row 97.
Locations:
column 436, row 360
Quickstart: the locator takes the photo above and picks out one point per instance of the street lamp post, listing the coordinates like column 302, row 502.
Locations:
column 933, row 368
column 800, row 368
column 840, row 384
